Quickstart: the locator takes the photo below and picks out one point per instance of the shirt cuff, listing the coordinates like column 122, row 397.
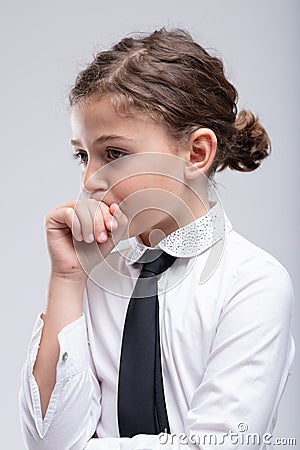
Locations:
column 73, row 358
column 73, row 342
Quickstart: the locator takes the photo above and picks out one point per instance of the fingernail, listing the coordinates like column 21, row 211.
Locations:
column 117, row 210
column 102, row 236
column 90, row 237
column 113, row 224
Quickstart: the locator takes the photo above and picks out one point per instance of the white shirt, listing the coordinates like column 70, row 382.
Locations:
column 225, row 330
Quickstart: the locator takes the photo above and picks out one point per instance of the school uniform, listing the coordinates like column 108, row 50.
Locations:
column 225, row 309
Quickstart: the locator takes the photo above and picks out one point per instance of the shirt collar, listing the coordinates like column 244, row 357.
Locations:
column 185, row 242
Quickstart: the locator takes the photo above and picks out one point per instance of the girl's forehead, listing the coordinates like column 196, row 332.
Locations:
column 96, row 112
column 99, row 116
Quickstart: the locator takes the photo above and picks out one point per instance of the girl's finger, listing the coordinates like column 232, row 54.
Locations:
column 118, row 214
column 62, row 216
column 97, row 210
column 82, row 211
column 122, row 220
column 115, row 210
column 76, row 227
column 110, row 222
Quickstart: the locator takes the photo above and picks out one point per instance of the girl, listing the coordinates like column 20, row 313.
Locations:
column 194, row 353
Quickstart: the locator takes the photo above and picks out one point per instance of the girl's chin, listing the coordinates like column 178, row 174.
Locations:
column 151, row 227
column 153, row 238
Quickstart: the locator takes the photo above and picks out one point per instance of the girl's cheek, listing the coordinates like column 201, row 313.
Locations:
column 125, row 188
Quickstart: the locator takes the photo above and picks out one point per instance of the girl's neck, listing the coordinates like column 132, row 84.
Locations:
column 154, row 235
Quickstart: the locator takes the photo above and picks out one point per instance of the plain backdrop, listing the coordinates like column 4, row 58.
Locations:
column 43, row 46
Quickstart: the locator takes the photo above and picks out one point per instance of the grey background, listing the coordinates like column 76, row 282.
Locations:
column 43, row 45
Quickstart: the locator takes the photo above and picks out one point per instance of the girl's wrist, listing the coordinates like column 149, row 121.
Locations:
column 78, row 278
column 64, row 301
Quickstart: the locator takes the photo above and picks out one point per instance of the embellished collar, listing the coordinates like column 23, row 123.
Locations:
column 185, row 242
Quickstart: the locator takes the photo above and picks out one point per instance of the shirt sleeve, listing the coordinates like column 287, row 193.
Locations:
column 246, row 371
column 250, row 359
column 75, row 404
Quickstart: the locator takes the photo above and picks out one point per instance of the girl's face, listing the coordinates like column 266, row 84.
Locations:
column 131, row 162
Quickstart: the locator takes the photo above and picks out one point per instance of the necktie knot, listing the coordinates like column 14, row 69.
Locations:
column 155, row 262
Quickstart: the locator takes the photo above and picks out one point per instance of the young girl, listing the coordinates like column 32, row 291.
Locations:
column 194, row 353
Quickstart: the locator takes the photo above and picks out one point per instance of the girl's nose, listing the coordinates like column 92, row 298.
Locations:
column 94, row 180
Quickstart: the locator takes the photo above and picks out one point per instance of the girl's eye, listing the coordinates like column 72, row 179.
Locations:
column 114, row 153
column 81, row 156
column 110, row 154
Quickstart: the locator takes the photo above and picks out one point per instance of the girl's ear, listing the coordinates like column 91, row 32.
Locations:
column 202, row 149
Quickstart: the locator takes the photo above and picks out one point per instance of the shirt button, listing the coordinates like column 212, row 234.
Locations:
column 65, row 356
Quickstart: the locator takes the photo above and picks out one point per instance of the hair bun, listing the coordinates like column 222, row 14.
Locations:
column 251, row 144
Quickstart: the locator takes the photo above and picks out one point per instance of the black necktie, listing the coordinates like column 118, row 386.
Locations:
column 141, row 402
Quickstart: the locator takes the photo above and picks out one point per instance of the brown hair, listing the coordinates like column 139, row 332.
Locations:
column 170, row 77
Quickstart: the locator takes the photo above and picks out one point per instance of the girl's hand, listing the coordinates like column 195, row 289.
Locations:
column 90, row 223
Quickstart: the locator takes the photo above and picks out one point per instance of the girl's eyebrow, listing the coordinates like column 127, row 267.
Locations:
column 104, row 138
